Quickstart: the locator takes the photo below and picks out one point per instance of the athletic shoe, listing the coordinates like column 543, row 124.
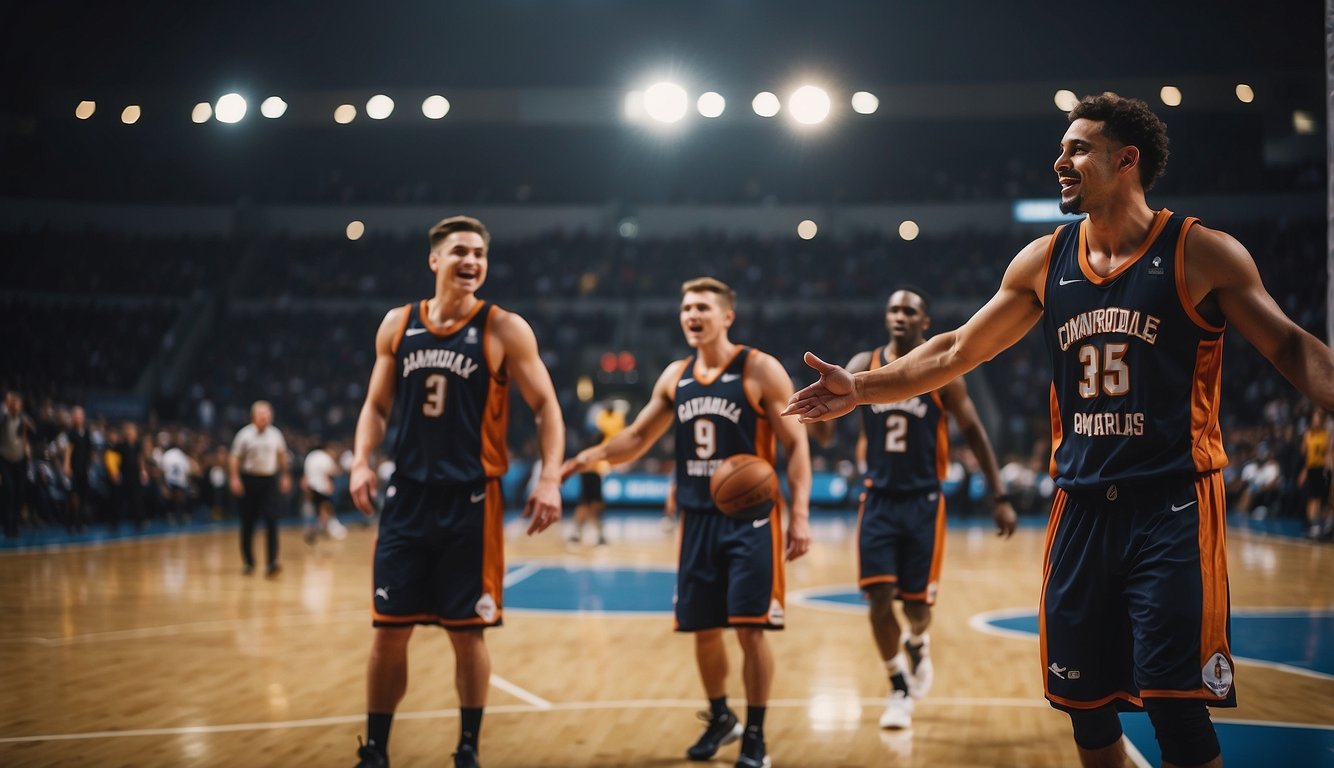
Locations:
column 370, row 756
column 753, row 754
column 466, row 757
column 898, row 711
column 921, row 671
column 721, row 730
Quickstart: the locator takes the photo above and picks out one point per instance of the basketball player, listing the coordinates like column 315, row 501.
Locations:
column 900, row 541
column 724, row 399
column 1315, row 475
column 443, row 368
column 1133, row 302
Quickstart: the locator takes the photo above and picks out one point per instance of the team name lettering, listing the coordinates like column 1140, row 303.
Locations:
column 1109, row 424
column 708, row 406
column 447, row 359
column 1107, row 320
column 916, row 406
column 702, row 467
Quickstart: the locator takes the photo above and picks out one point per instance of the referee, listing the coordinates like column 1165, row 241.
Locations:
column 259, row 478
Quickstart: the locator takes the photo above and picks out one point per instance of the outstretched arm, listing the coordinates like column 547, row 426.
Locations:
column 533, row 380
column 635, row 440
column 960, row 406
column 1004, row 320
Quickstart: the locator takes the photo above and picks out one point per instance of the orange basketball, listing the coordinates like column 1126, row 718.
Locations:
column 744, row 486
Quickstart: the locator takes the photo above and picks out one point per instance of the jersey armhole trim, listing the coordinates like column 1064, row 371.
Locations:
column 1183, row 291
column 402, row 328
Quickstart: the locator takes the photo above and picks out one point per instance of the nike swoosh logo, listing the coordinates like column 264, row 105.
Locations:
column 684, row 383
column 1067, row 282
column 476, row 497
column 414, row 331
column 728, row 378
column 763, row 521
column 1175, row 508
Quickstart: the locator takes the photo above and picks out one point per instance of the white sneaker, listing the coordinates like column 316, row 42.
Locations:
column 898, row 711
column 921, row 672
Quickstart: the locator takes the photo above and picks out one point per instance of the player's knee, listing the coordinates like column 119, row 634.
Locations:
column 1185, row 734
column 881, row 596
column 750, row 638
column 1096, row 728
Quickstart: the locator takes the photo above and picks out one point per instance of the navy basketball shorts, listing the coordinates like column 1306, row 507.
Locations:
column 901, row 541
column 440, row 555
column 1135, row 596
column 1317, row 484
column 730, row 572
column 590, row 487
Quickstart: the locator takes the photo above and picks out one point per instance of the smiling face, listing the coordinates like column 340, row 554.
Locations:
column 1091, row 167
column 459, row 262
column 704, row 317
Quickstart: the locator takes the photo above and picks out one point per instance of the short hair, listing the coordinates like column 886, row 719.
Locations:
column 1131, row 123
column 918, row 292
column 255, row 406
column 446, row 227
column 711, row 285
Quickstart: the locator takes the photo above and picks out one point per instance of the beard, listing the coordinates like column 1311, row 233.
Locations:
column 1074, row 205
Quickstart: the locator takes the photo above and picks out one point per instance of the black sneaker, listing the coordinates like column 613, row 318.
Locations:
column 753, row 754
column 370, row 756
column 466, row 757
column 721, row 730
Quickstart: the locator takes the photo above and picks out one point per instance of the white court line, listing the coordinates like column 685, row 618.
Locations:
column 522, row 693
column 1132, row 752
column 519, row 574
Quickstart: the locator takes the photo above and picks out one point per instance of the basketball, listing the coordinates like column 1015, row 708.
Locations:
column 744, row 486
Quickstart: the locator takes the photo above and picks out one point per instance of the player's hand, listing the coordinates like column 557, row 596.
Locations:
column 798, row 536
column 830, row 397
column 574, row 466
column 361, row 485
column 238, row 490
column 285, row 484
column 543, row 506
column 1005, row 519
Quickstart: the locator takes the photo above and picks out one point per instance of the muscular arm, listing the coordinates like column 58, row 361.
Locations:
column 534, row 382
column 776, row 388
column 823, row 431
column 1220, row 272
column 635, row 440
column 374, row 417
column 960, row 406
column 1010, row 314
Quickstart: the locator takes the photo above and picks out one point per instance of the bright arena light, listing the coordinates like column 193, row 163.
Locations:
column 806, row 229
column 765, row 104
column 865, row 103
column 711, row 104
column 85, row 109
column 202, row 112
column 355, row 229
column 435, row 107
column 909, row 230
column 1303, row 122
column 130, row 115
column 379, row 107
column 1065, row 100
column 665, row 102
column 633, row 109
column 1245, row 94
column 230, row 108
column 1171, row 95
column 345, row 114
column 809, row 105
column 273, row 107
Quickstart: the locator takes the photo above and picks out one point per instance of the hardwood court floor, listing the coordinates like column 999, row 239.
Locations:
column 159, row 652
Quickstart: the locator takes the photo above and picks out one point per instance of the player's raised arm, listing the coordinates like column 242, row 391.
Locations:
column 635, row 440
column 374, row 417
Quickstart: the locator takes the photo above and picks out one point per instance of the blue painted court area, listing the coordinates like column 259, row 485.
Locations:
column 582, row 588
column 1246, row 744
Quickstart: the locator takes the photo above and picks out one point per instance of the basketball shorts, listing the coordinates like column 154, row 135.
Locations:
column 1317, row 484
column 590, row 487
column 730, row 571
column 901, row 541
column 1135, row 596
column 440, row 555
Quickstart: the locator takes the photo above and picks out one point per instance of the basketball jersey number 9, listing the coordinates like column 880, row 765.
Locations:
column 896, row 432
column 706, row 438
column 435, row 395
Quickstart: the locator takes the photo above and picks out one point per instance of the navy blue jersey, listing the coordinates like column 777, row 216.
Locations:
column 907, row 443
column 714, row 420
column 1135, row 368
column 451, row 408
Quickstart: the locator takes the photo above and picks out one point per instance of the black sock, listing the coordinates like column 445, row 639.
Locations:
column 718, row 706
column 377, row 730
column 899, row 682
column 755, row 720
column 470, row 726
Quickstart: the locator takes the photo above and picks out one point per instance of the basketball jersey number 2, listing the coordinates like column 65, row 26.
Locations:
column 896, row 431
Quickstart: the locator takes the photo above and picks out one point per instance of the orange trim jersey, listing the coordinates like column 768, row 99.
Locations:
column 1135, row 368
column 907, row 443
column 451, row 408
